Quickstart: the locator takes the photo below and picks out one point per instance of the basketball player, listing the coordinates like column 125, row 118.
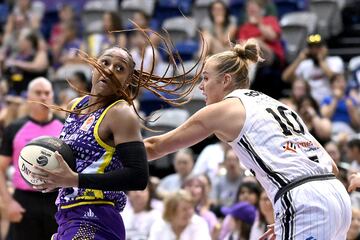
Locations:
column 273, row 142
column 103, row 131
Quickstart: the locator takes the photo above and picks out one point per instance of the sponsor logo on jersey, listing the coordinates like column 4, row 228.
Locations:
column 304, row 145
column 87, row 124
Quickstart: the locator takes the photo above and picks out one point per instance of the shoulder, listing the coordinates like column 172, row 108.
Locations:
column 122, row 110
column 72, row 104
column 17, row 124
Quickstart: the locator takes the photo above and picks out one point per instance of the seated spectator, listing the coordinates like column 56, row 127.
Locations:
column 264, row 217
column 219, row 29
column 65, row 49
column 299, row 90
column 267, row 31
column 183, row 164
column 139, row 215
column 354, row 231
column 95, row 43
column 66, row 15
column 179, row 222
column 318, row 126
column 315, row 66
column 333, row 150
column 353, row 154
column 29, row 62
column 24, row 17
column 226, row 186
column 247, row 192
column 210, row 159
column 196, row 185
column 244, row 215
column 341, row 108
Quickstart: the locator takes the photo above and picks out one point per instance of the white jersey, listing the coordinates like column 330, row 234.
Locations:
column 275, row 144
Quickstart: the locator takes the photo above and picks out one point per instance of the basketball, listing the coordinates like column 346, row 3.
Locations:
column 41, row 152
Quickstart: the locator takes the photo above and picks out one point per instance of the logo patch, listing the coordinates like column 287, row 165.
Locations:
column 42, row 160
column 87, row 124
column 89, row 214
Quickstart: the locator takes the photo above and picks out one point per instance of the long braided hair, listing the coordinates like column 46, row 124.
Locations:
column 178, row 85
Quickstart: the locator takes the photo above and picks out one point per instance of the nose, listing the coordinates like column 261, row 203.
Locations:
column 201, row 85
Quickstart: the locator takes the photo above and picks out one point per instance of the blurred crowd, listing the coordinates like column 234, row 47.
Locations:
column 206, row 193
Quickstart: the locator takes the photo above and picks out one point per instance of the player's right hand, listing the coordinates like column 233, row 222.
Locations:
column 14, row 211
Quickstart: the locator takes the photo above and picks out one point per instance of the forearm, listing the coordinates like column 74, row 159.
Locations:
column 4, row 193
column 267, row 32
column 39, row 64
column 133, row 176
column 329, row 110
column 322, row 127
column 324, row 66
column 354, row 117
column 289, row 73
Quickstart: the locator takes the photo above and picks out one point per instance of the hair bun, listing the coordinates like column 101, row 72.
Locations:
column 248, row 51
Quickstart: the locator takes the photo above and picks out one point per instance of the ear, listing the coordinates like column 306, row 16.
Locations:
column 227, row 79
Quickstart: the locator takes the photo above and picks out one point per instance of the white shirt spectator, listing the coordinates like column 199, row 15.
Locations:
column 138, row 225
column 170, row 183
column 319, row 83
column 209, row 160
column 196, row 229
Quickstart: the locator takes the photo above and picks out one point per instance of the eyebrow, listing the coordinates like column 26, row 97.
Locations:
column 121, row 58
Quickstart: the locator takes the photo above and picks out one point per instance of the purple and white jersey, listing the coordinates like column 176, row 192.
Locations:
column 81, row 133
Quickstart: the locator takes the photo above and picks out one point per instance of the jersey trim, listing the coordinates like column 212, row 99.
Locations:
column 86, row 203
column 276, row 178
column 77, row 102
column 288, row 221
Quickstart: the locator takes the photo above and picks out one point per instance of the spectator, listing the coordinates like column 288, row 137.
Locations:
column 80, row 81
column 210, row 159
column 264, row 217
column 299, row 90
column 220, row 28
column 179, row 221
column 353, row 154
column 333, row 150
column 318, row 126
column 24, row 17
column 96, row 42
column 315, row 66
column 64, row 50
column 354, row 231
column 183, row 164
column 66, row 15
column 31, row 213
column 243, row 214
column 28, row 62
column 247, row 192
column 139, row 215
column 196, row 185
column 10, row 112
column 267, row 31
column 226, row 186
column 341, row 108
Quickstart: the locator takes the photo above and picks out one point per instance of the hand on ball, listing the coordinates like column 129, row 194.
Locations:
column 62, row 176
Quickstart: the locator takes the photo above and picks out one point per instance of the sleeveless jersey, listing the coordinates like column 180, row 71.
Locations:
column 275, row 144
column 81, row 133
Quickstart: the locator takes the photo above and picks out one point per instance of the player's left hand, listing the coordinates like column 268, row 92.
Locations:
column 269, row 234
column 62, row 176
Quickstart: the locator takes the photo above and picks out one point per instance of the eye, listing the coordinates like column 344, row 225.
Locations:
column 104, row 62
column 119, row 68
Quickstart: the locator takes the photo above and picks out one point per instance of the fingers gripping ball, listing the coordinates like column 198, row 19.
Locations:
column 41, row 152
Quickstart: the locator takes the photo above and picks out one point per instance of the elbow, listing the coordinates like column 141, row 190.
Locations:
column 142, row 179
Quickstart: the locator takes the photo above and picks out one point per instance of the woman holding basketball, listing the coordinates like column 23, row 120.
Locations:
column 273, row 142
column 103, row 130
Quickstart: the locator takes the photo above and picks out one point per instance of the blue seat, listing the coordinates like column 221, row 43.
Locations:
column 4, row 11
column 171, row 8
column 237, row 8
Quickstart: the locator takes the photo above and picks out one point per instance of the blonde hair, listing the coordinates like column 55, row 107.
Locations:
column 236, row 61
column 172, row 202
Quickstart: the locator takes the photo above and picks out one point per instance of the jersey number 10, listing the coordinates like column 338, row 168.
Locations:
column 288, row 127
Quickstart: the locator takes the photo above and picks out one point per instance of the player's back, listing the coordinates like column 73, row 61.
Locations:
column 275, row 144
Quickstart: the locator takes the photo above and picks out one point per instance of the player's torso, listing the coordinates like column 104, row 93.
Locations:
column 275, row 144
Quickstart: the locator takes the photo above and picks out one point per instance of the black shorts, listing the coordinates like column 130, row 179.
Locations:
column 38, row 222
